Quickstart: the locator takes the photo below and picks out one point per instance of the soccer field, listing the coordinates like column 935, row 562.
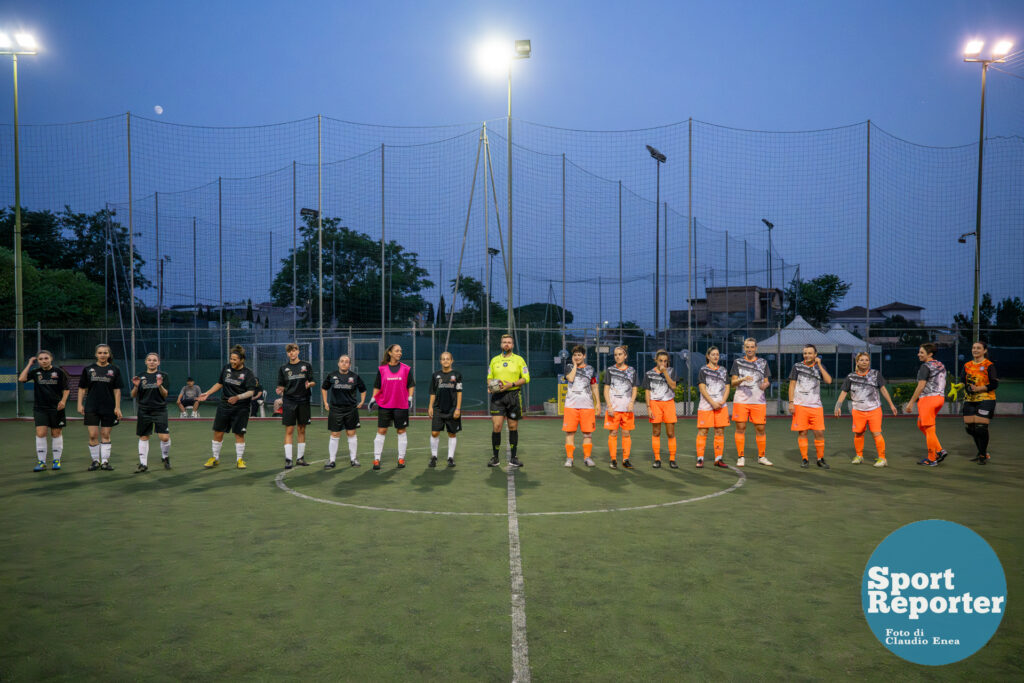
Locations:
column 627, row 575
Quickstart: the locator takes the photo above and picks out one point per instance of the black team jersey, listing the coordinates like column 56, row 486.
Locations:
column 150, row 400
column 49, row 386
column 343, row 390
column 293, row 377
column 100, row 381
column 234, row 383
column 446, row 386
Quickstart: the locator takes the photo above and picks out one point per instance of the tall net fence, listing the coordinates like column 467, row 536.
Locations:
column 331, row 231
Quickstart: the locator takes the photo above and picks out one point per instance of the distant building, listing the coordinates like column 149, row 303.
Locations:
column 908, row 311
column 853, row 319
column 732, row 307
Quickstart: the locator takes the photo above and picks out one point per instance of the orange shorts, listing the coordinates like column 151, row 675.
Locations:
column 613, row 421
column 871, row 419
column 713, row 418
column 662, row 411
column 754, row 412
column 927, row 408
column 805, row 418
column 582, row 418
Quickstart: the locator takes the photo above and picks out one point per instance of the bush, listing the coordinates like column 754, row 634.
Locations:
column 902, row 392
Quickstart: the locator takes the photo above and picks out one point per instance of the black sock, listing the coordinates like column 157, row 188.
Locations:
column 495, row 442
column 969, row 428
column 980, row 438
column 513, row 440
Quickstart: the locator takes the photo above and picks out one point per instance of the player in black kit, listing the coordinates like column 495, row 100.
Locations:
column 239, row 384
column 445, row 408
column 343, row 393
column 99, row 400
column 151, row 390
column 294, row 379
column 50, row 396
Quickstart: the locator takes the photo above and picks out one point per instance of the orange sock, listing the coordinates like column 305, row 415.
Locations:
column 719, row 446
column 741, row 442
column 588, row 448
column 656, row 445
column 801, row 441
column 858, row 444
column 819, row 448
column 671, row 448
column 627, row 445
column 762, row 443
column 702, row 441
column 880, row 445
column 569, row 448
column 613, row 443
column 932, row 438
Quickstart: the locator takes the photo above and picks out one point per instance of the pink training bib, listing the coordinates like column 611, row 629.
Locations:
column 394, row 387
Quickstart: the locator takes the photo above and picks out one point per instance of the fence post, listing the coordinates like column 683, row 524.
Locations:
column 220, row 267
column 867, row 222
column 382, row 269
column 527, row 363
column 131, row 247
column 320, row 241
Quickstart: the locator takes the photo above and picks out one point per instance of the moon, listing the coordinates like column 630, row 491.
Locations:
column 158, row 109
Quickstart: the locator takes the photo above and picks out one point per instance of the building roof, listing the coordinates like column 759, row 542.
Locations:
column 899, row 306
column 856, row 313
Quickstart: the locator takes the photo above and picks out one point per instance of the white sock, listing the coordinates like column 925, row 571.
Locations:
column 144, row 452
column 403, row 442
column 288, row 452
column 434, row 442
column 378, row 446
column 94, row 453
column 451, row 447
column 239, row 450
column 58, row 447
column 105, row 451
column 301, row 450
column 353, row 444
column 216, row 449
column 165, row 449
column 332, row 448
column 41, row 448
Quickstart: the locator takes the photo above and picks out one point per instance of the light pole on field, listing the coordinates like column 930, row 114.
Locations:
column 972, row 53
column 659, row 159
column 22, row 44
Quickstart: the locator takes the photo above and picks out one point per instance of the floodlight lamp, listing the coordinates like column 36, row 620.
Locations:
column 25, row 40
column 963, row 238
column 523, row 49
column 656, row 155
column 973, row 48
column 313, row 213
column 5, row 41
column 492, row 251
column 768, row 223
column 493, row 57
column 1002, row 48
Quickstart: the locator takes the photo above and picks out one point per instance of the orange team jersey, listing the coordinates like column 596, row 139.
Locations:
column 982, row 375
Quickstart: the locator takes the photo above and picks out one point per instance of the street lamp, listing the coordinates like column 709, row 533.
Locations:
column 659, row 159
column 972, row 53
column 494, row 56
column 22, row 44
column 768, row 312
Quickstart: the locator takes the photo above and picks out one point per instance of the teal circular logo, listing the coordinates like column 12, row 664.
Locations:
column 933, row 592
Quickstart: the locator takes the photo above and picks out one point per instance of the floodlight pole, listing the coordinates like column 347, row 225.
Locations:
column 19, row 302
column 519, row 55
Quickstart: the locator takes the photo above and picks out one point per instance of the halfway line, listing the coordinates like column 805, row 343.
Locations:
column 520, row 649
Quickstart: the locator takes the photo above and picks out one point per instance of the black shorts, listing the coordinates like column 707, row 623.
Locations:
column 508, row 404
column 187, row 402
column 148, row 422
column 295, row 414
column 399, row 417
column 101, row 420
column 986, row 409
column 231, row 419
column 49, row 417
column 446, row 423
column 342, row 419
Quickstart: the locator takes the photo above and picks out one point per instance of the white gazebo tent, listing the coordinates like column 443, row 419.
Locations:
column 792, row 339
column 850, row 343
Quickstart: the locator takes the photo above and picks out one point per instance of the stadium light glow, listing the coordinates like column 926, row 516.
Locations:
column 1002, row 48
column 493, row 57
column 25, row 41
column 5, row 41
column 973, row 48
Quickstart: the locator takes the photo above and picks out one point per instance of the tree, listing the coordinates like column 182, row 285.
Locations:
column 542, row 315
column 910, row 332
column 965, row 321
column 473, row 295
column 442, row 316
column 357, row 285
column 815, row 298
column 248, row 311
column 1001, row 323
column 55, row 297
